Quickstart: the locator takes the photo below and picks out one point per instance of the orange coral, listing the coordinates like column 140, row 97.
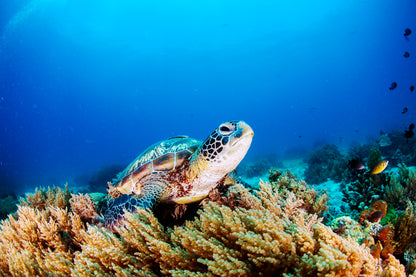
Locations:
column 375, row 213
column 376, row 249
column 381, row 206
column 275, row 231
column 385, row 234
column 388, row 249
column 392, row 267
column 42, row 198
column 82, row 205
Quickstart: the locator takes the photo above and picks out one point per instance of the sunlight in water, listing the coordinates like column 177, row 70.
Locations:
column 22, row 15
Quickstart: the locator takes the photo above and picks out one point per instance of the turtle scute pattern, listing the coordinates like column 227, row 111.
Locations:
column 163, row 156
column 159, row 149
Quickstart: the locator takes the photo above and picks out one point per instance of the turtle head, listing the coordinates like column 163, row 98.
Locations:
column 224, row 149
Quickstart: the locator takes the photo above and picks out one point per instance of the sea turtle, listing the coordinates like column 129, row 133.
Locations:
column 178, row 170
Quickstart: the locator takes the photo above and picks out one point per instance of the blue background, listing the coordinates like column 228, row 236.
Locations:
column 89, row 83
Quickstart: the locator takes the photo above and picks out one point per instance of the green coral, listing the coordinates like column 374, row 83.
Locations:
column 374, row 157
column 390, row 217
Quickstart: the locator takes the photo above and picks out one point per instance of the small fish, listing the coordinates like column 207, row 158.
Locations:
column 379, row 167
column 356, row 164
column 393, row 86
column 409, row 133
column 405, row 109
column 375, row 217
column 412, row 88
column 406, row 54
column 407, row 33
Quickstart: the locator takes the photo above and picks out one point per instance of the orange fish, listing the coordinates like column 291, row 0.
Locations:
column 379, row 167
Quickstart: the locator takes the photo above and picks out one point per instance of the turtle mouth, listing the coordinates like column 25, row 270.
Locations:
column 247, row 135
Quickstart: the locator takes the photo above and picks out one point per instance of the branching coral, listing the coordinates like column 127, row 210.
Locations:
column 274, row 232
column 39, row 242
column 313, row 201
column 47, row 197
column 83, row 206
column 405, row 229
column 401, row 187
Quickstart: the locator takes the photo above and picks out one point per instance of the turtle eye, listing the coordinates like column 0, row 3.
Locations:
column 226, row 129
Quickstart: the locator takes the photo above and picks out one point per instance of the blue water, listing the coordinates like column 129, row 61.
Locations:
column 90, row 83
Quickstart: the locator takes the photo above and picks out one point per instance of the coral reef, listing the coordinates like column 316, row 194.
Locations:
column 389, row 225
column 374, row 158
column 401, row 150
column 325, row 163
column 82, row 205
column 360, row 151
column 41, row 237
column 384, row 141
column 405, row 229
column 365, row 189
column 259, row 166
column 401, row 187
column 275, row 231
column 43, row 198
column 254, row 169
column 375, row 213
column 394, row 146
column 8, row 205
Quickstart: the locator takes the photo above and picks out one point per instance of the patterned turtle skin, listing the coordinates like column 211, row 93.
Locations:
column 177, row 170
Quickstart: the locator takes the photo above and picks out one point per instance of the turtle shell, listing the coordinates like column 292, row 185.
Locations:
column 163, row 156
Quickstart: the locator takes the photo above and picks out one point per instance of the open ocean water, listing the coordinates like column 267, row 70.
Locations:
column 91, row 84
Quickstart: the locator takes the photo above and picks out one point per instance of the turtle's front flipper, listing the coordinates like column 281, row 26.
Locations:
column 150, row 194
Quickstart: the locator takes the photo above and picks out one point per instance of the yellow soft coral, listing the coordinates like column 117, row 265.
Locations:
column 274, row 231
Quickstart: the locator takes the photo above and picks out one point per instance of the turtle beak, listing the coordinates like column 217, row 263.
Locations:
column 247, row 131
column 244, row 134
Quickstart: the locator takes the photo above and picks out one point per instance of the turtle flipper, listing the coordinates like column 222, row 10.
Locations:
column 149, row 196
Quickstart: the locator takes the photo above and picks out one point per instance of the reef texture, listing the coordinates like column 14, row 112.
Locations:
column 395, row 187
column 400, row 150
column 401, row 187
column 275, row 231
column 365, row 189
column 386, row 218
column 325, row 163
column 8, row 205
